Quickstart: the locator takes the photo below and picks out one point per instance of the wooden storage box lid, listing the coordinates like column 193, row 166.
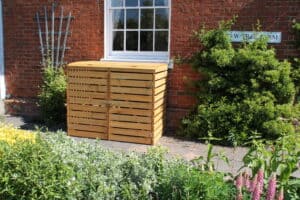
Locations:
column 122, row 66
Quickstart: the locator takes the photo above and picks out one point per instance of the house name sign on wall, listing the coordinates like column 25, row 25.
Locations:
column 240, row 36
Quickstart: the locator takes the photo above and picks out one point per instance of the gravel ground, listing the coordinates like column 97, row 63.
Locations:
column 188, row 150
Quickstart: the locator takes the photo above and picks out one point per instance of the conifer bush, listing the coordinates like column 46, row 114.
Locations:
column 245, row 92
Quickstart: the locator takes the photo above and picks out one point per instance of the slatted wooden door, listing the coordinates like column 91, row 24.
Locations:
column 87, row 102
column 131, row 97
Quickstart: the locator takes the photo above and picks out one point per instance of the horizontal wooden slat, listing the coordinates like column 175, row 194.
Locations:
column 86, row 121
column 93, row 95
column 95, row 81
column 157, row 136
column 81, row 87
column 86, row 108
column 131, row 76
column 159, row 116
column 159, row 103
column 160, row 89
column 87, row 74
column 130, row 132
column 160, row 82
column 98, row 129
column 125, row 104
column 127, row 90
column 87, row 134
column 159, row 110
column 130, row 111
column 140, row 140
column 161, row 75
column 160, row 96
column 128, row 118
column 92, row 115
column 158, row 124
column 130, row 97
column 86, row 101
column 130, row 125
column 131, row 83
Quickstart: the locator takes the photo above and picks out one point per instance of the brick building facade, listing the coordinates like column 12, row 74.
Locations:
column 22, row 54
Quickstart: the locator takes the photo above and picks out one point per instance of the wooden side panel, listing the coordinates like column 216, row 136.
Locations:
column 86, row 101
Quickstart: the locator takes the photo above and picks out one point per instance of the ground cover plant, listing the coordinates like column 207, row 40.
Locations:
column 53, row 166
column 244, row 93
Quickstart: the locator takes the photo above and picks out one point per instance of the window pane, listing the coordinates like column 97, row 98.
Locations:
column 131, row 3
column 161, row 2
column 116, row 3
column 161, row 41
column 146, row 41
column 132, row 40
column 118, row 19
column 162, row 18
column 146, row 2
column 132, row 18
column 147, row 18
column 118, row 41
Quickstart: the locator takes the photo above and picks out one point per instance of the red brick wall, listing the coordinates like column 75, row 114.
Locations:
column 22, row 56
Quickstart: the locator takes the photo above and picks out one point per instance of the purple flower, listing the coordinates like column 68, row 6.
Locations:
column 272, row 188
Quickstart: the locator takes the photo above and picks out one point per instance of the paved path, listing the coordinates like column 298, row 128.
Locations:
column 186, row 149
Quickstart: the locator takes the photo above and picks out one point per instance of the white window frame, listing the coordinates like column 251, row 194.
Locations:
column 2, row 67
column 142, row 56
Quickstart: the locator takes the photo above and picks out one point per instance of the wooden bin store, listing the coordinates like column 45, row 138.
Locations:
column 117, row 100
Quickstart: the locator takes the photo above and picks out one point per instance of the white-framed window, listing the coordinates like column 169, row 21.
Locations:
column 137, row 30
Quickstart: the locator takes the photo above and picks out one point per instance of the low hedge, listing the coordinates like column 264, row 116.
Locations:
column 56, row 167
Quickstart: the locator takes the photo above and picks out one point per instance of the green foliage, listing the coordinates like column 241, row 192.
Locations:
column 296, row 63
column 280, row 157
column 56, row 167
column 245, row 92
column 32, row 171
column 52, row 98
column 182, row 182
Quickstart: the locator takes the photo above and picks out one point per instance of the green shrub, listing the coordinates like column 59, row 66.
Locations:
column 56, row 167
column 52, row 98
column 32, row 171
column 245, row 92
column 182, row 182
column 296, row 63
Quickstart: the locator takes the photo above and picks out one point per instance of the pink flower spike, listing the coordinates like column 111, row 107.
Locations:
column 239, row 182
column 271, row 188
column 253, row 183
column 260, row 177
column 257, row 192
column 247, row 183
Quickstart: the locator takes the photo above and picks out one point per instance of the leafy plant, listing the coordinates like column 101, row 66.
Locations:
column 52, row 98
column 244, row 93
column 280, row 157
column 57, row 167
column 207, row 164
